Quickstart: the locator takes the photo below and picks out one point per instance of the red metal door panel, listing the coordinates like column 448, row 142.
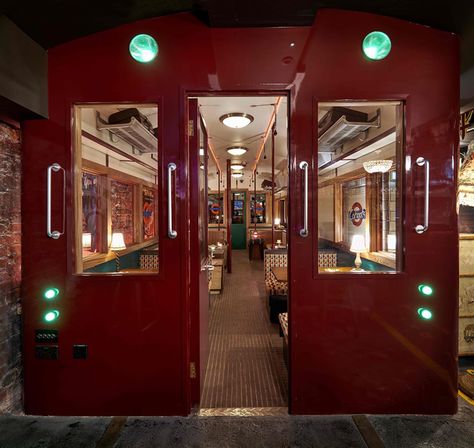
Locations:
column 199, row 248
column 137, row 330
column 357, row 342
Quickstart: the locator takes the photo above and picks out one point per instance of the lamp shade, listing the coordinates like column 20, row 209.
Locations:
column 358, row 244
column 118, row 242
column 86, row 240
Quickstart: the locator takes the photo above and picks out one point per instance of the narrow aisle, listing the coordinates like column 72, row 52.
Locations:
column 246, row 366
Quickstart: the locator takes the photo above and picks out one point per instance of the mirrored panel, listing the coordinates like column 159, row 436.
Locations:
column 116, row 189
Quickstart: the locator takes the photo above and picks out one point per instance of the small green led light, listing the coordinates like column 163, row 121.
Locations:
column 425, row 313
column 51, row 316
column 143, row 48
column 426, row 290
column 376, row 45
column 51, row 293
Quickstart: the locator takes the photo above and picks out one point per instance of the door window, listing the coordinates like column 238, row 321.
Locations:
column 359, row 187
column 116, row 189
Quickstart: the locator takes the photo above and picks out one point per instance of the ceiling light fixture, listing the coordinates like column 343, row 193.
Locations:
column 377, row 166
column 236, row 166
column 237, row 174
column 237, row 150
column 236, row 120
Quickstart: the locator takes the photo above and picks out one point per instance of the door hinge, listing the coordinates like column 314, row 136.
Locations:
column 192, row 370
column 191, row 128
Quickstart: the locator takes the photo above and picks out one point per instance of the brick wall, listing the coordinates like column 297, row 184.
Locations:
column 10, row 270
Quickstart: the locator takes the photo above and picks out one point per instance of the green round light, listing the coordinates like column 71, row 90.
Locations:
column 376, row 45
column 143, row 48
column 51, row 316
column 51, row 293
column 426, row 290
column 425, row 313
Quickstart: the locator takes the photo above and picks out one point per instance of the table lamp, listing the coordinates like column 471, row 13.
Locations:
column 117, row 244
column 86, row 240
column 358, row 246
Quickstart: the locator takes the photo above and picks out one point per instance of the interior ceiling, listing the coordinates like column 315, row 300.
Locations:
column 251, row 136
column 52, row 22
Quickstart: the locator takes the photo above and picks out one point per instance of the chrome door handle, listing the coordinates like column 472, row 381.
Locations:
column 55, row 234
column 171, row 232
column 421, row 228
column 304, row 231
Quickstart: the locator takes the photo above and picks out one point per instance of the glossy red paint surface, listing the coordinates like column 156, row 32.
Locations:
column 376, row 356
column 199, row 296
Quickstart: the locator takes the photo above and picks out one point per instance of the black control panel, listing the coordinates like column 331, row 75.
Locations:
column 47, row 352
column 79, row 351
column 45, row 336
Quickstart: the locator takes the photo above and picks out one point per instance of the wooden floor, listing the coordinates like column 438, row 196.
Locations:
column 246, row 367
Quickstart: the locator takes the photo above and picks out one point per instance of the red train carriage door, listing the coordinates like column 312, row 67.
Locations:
column 373, row 315
column 102, row 287
column 200, row 263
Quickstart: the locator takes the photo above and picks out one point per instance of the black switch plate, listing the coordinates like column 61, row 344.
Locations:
column 47, row 352
column 79, row 351
column 46, row 336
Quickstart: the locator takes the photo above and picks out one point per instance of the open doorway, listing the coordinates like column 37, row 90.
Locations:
column 243, row 154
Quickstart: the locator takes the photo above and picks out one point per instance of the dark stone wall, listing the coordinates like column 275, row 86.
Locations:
column 10, row 270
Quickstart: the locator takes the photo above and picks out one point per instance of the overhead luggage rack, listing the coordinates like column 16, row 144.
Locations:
column 343, row 129
column 133, row 133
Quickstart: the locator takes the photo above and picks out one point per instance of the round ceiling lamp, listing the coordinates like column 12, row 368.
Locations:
column 376, row 45
column 237, row 166
column 143, row 48
column 237, row 174
column 237, row 150
column 236, row 120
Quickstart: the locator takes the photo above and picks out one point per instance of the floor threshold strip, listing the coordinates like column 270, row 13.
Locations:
column 243, row 412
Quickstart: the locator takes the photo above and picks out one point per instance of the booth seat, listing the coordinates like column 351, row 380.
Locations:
column 278, row 291
column 283, row 319
column 273, row 258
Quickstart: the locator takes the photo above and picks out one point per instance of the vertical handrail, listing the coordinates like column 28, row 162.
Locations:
column 421, row 228
column 55, row 234
column 304, row 232
column 171, row 232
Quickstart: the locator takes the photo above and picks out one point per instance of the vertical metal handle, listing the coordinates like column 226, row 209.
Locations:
column 304, row 231
column 420, row 161
column 55, row 234
column 171, row 232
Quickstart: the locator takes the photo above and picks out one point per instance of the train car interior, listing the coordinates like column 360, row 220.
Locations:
column 247, row 217
column 359, row 178
column 116, row 181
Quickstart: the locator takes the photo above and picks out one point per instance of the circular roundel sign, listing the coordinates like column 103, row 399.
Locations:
column 215, row 208
column 357, row 214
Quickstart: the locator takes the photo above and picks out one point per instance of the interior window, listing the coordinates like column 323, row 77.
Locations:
column 359, row 200
column 116, row 168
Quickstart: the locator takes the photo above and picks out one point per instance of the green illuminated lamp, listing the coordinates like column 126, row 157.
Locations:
column 51, row 293
column 426, row 290
column 425, row 313
column 376, row 45
column 51, row 316
column 143, row 48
